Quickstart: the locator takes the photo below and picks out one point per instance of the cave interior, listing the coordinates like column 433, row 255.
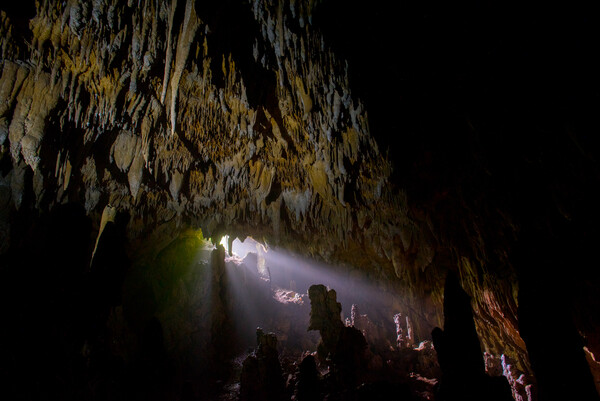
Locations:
column 299, row 200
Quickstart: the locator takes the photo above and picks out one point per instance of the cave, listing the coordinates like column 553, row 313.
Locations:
column 299, row 200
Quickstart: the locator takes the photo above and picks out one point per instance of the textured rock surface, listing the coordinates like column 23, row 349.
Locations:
column 149, row 108
column 242, row 118
column 158, row 124
column 262, row 376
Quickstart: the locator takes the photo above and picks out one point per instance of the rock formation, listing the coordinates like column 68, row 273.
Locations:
column 459, row 352
column 343, row 348
column 308, row 386
column 404, row 335
column 153, row 110
column 127, row 128
column 262, row 377
column 372, row 333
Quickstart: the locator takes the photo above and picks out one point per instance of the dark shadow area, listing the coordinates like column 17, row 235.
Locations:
column 547, row 311
column 231, row 30
column 19, row 9
column 459, row 353
column 43, row 301
column 444, row 82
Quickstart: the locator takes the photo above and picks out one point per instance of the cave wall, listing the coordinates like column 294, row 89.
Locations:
column 241, row 118
column 154, row 111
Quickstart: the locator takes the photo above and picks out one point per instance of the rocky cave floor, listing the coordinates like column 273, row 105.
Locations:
column 391, row 366
column 182, row 325
column 303, row 350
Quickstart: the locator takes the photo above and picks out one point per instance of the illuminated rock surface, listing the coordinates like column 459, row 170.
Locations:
column 126, row 127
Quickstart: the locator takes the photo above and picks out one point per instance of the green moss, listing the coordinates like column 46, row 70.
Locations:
column 180, row 260
column 155, row 285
